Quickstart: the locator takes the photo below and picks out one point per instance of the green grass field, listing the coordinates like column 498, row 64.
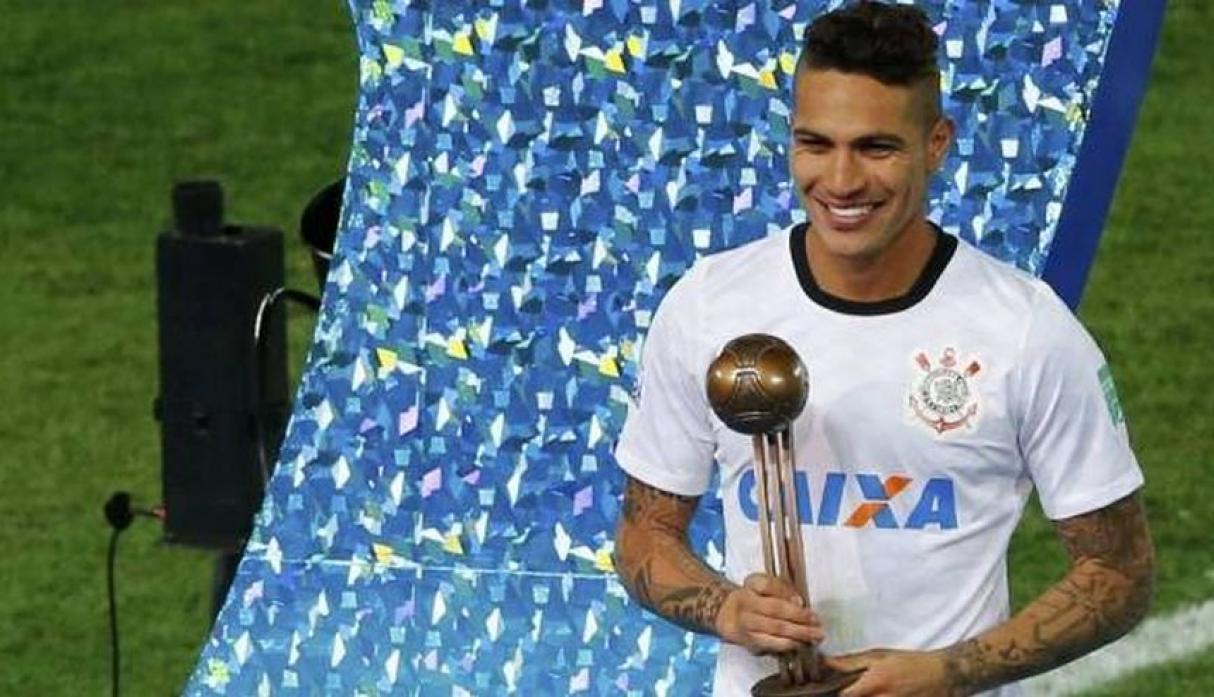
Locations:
column 104, row 104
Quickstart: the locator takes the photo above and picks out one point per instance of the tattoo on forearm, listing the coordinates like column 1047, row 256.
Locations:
column 1106, row 593
column 660, row 571
column 645, row 504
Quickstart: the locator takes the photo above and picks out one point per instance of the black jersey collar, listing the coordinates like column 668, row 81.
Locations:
column 941, row 254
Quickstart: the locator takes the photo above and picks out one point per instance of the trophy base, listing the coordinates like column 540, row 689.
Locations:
column 829, row 686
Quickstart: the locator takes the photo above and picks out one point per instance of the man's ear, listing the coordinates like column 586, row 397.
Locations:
column 939, row 140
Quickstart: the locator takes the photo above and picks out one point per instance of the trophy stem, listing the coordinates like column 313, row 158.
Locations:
column 761, row 468
column 762, row 474
column 795, row 553
column 779, row 524
column 796, row 549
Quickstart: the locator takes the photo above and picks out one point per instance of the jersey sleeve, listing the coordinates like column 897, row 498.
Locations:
column 667, row 440
column 1072, row 431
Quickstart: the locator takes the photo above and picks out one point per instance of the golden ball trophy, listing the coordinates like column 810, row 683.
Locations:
column 758, row 386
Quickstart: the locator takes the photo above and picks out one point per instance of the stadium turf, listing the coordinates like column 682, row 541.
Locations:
column 104, row 104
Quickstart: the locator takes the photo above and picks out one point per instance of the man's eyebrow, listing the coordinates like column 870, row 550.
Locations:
column 878, row 138
column 803, row 132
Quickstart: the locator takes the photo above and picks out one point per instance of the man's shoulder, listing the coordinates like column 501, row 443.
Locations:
column 997, row 283
column 721, row 285
column 1010, row 302
column 749, row 261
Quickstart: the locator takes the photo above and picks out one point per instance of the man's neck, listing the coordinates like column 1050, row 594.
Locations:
column 888, row 275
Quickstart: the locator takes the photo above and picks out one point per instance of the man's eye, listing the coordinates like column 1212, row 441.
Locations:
column 880, row 149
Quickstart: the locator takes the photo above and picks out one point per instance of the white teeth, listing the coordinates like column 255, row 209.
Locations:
column 852, row 212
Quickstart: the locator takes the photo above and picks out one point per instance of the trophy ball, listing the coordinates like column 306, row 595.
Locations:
column 757, row 384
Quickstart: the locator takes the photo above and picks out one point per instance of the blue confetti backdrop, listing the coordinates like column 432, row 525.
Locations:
column 526, row 180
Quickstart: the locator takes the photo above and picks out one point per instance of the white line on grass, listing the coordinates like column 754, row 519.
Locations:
column 1158, row 640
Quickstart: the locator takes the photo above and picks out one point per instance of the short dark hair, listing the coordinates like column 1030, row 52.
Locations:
column 893, row 44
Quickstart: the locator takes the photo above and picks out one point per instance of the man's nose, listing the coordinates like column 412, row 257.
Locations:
column 844, row 177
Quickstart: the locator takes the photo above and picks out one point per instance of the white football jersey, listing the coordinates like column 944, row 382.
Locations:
column 930, row 419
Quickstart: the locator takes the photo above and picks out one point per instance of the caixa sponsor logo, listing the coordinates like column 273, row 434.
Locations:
column 936, row 505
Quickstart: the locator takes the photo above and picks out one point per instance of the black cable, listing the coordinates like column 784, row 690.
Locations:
column 109, row 577
column 119, row 514
column 226, row 563
column 268, row 302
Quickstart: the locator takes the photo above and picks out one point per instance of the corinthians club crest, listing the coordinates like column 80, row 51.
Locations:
column 942, row 396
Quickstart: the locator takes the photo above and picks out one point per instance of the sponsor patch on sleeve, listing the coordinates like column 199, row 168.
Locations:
column 1110, row 394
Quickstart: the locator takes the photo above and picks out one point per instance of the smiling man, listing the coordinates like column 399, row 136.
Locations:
column 862, row 151
column 945, row 387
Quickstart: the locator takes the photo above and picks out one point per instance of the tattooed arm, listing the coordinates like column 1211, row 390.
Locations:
column 656, row 563
column 1107, row 591
column 660, row 571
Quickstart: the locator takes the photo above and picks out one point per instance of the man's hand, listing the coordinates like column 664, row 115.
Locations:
column 766, row 615
column 890, row 673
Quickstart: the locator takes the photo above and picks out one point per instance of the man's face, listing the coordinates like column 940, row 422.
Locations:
column 861, row 155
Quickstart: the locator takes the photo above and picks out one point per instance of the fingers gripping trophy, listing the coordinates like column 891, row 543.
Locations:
column 758, row 386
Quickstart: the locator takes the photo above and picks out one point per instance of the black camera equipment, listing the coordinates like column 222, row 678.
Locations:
column 221, row 404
